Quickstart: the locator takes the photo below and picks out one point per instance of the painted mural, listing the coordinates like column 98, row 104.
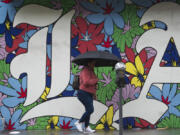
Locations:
column 39, row 40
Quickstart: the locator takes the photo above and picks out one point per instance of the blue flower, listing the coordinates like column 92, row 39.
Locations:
column 7, row 9
column 67, row 123
column 106, row 11
column 12, row 122
column 74, row 42
column 168, row 96
column 69, row 91
column 10, row 32
column 171, row 56
column 145, row 4
column 17, row 93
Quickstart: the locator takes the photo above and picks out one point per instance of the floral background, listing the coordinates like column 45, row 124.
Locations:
column 98, row 25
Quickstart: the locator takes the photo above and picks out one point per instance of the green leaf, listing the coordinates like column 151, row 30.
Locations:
column 67, row 5
column 1, row 35
column 4, row 68
column 171, row 122
column 75, row 69
column 45, row 3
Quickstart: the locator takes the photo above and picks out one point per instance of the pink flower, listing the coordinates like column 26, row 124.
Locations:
column 3, row 52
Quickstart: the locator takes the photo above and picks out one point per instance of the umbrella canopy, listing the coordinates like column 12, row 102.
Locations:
column 102, row 58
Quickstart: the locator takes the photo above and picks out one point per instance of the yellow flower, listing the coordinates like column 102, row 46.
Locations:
column 45, row 93
column 106, row 120
column 53, row 121
column 138, row 71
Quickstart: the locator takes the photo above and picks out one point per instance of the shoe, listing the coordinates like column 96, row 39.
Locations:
column 89, row 130
column 79, row 126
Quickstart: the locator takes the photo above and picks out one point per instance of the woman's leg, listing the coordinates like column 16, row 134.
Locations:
column 87, row 100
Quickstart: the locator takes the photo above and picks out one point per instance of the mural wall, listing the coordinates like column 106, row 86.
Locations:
column 39, row 40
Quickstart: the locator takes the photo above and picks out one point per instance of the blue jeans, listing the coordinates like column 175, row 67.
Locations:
column 87, row 100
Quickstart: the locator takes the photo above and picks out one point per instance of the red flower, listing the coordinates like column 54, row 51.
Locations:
column 143, row 124
column 89, row 35
column 147, row 63
column 23, row 93
column 7, row 1
column 19, row 39
column 107, row 44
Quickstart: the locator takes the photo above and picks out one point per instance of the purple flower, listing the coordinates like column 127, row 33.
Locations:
column 129, row 92
column 3, row 52
column 107, row 79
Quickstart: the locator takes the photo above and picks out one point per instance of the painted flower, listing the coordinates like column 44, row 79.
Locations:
column 16, row 94
column 20, row 41
column 31, row 122
column 12, row 122
column 106, row 11
column 137, row 70
column 10, row 32
column 143, row 124
column 3, row 52
column 52, row 123
column 107, row 79
column 168, row 96
column 67, row 123
column 131, row 29
column 106, row 120
column 89, row 35
column 8, row 9
column 130, row 92
column 138, row 66
column 114, row 101
column 171, row 56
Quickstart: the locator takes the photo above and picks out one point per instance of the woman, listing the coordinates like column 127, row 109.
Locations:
column 88, row 84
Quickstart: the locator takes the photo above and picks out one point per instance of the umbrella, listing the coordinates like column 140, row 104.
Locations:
column 102, row 58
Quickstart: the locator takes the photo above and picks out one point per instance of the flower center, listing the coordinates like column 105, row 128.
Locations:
column 23, row 93
column 165, row 100
column 107, row 44
column 10, row 126
column 108, row 8
column 141, row 78
column 86, row 37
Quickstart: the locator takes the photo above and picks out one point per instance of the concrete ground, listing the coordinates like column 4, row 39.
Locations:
column 126, row 132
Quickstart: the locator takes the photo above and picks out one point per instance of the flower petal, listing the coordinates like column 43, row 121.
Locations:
column 16, row 115
column 13, row 101
column 15, row 84
column 174, row 111
column 108, row 25
column 130, row 54
column 11, row 13
column 135, row 81
column 21, row 127
column 143, row 56
column 119, row 5
column 3, row 13
column 82, row 24
column 5, row 114
column 172, row 92
column 156, row 92
column 118, row 20
column 139, row 65
column 8, row 91
column 143, row 3
column 95, row 18
column 166, row 90
column 176, row 100
column 100, row 126
column 24, row 83
column 109, row 116
column 131, row 68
